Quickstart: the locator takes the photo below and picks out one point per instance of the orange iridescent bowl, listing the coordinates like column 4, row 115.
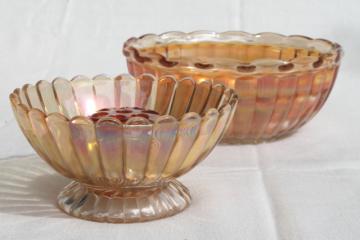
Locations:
column 123, row 169
column 282, row 81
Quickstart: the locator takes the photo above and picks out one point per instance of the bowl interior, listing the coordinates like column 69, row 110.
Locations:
column 209, row 50
column 226, row 53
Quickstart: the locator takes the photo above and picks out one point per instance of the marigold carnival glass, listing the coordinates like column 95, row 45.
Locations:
column 282, row 81
column 123, row 172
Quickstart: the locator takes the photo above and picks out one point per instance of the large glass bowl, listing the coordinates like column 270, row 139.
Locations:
column 282, row 81
column 123, row 172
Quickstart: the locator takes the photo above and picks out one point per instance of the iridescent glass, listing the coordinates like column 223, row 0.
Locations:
column 282, row 81
column 123, row 172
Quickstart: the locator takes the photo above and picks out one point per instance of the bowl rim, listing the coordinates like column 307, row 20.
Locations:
column 16, row 102
column 330, row 53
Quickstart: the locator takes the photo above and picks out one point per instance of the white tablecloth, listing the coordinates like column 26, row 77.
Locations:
column 305, row 187
column 240, row 192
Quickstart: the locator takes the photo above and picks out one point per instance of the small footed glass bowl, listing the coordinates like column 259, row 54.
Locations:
column 282, row 81
column 123, row 171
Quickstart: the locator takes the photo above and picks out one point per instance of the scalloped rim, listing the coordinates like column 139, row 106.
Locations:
column 15, row 99
column 330, row 52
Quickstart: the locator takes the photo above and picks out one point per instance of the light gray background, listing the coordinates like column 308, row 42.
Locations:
column 44, row 39
column 305, row 187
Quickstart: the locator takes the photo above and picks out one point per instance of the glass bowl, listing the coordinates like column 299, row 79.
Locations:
column 123, row 172
column 282, row 81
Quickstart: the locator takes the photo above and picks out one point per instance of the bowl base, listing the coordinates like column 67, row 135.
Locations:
column 127, row 205
column 231, row 140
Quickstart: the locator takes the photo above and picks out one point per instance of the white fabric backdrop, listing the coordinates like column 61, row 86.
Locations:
column 43, row 39
column 303, row 187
